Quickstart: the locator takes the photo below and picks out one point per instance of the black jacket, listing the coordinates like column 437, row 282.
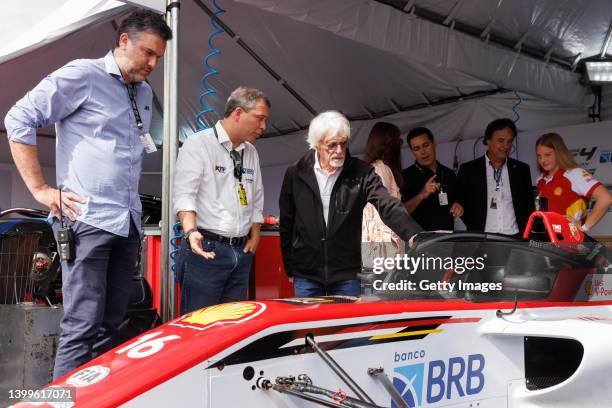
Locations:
column 473, row 192
column 333, row 253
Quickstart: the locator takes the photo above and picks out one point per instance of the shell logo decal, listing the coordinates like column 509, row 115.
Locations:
column 558, row 191
column 226, row 313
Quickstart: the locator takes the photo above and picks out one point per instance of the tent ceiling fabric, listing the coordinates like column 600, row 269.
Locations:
column 571, row 26
column 156, row 5
column 449, row 122
column 51, row 21
column 362, row 57
column 433, row 46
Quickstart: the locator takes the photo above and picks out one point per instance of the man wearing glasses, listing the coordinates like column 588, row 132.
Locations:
column 218, row 197
column 321, row 209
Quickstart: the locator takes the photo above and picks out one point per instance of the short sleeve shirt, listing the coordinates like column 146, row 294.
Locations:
column 568, row 191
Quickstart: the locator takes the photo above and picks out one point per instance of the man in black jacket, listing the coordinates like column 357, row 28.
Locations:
column 496, row 190
column 430, row 188
column 321, row 208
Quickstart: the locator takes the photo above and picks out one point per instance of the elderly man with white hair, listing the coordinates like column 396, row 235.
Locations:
column 321, row 208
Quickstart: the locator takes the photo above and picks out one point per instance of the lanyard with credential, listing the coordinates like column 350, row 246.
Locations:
column 439, row 173
column 145, row 137
column 238, row 161
column 497, row 174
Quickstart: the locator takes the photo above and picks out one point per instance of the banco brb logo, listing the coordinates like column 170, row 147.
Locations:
column 408, row 380
column 455, row 378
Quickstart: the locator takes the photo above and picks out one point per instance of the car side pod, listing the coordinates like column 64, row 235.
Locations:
column 543, row 367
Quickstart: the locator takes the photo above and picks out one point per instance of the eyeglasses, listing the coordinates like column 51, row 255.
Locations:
column 237, row 160
column 332, row 147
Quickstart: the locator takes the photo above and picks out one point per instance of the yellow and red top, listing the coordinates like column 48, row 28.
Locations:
column 568, row 191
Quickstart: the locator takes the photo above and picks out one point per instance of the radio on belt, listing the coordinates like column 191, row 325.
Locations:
column 65, row 239
column 65, row 236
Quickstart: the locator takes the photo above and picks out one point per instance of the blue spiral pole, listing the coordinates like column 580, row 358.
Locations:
column 208, row 89
column 176, row 228
column 518, row 116
column 200, row 119
column 516, row 105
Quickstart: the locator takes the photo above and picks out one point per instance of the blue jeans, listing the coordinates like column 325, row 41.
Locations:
column 96, row 288
column 308, row 288
column 207, row 282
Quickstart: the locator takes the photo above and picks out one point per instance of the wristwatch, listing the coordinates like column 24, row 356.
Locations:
column 188, row 233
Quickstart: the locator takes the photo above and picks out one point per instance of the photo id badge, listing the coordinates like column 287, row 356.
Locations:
column 443, row 198
column 494, row 203
column 242, row 195
column 148, row 143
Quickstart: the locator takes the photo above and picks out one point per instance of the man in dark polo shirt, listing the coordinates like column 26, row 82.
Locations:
column 430, row 189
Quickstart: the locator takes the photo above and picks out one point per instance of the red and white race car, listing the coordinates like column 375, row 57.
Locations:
column 531, row 328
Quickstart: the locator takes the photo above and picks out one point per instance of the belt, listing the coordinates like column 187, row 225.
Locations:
column 224, row 240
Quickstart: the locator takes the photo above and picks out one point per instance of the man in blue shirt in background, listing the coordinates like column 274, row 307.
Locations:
column 102, row 112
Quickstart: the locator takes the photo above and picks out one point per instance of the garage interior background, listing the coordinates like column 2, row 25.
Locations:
column 450, row 65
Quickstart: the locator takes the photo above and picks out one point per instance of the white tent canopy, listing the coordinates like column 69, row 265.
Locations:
column 52, row 21
column 451, row 65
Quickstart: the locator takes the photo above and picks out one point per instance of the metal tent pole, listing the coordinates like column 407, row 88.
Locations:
column 170, row 149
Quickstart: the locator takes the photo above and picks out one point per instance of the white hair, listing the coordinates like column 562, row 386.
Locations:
column 325, row 124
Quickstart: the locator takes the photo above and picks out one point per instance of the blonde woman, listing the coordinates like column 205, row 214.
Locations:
column 567, row 187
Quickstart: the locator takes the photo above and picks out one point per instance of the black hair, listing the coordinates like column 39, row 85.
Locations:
column 144, row 21
column 416, row 132
column 499, row 124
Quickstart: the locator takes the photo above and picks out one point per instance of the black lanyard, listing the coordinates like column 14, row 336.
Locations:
column 132, row 95
column 237, row 160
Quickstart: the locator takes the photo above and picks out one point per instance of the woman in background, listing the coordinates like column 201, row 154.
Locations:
column 567, row 187
column 383, row 153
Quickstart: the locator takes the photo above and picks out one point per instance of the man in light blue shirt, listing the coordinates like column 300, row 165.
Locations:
column 102, row 111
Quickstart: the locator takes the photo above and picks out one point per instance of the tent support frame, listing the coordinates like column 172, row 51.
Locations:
column 170, row 151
